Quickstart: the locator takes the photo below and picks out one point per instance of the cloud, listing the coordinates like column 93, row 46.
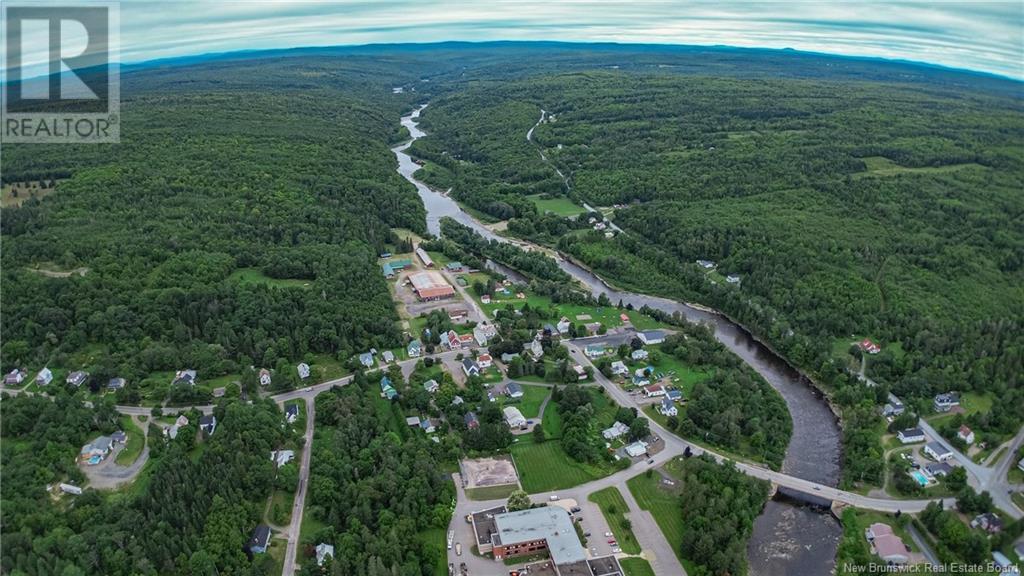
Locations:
column 985, row 36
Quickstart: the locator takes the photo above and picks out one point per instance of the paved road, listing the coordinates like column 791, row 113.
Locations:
column 299, row 504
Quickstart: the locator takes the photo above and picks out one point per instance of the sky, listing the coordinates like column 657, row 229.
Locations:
column 981, row 36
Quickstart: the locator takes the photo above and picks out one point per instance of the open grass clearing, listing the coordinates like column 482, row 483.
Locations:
column 256, row 276
column 636, row 567
column 546, row 466
column 133, row 444
column 558, row 205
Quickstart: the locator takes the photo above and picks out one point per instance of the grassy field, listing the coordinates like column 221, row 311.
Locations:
column 614, row 507
column 16, row 193
column 546, row 466
column 323, row 367
column 636, row 567
column 280, row 510
column 882, row 166
column 256, row 276
column 529, row 404
column 662, row 504
column 560, row 205
column 437, row 538
column 491, row 492
column 134, row 443
column 971, row 402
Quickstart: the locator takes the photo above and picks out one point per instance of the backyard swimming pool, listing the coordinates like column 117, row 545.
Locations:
column 920, row 477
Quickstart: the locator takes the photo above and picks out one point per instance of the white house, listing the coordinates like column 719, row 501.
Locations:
column 470, row 367
column 619, row 368
column 388, row 356
column 668, row 407
column 484, row 361
column 563, row 325
column 638, row 448
column 303, row 369
column 514, row 390
column 431, row 385
column 654, row 390
column 965, row 434
column 617, row 429
column 281, row 457
column 910, row 435
column 937, row 451
column 264, row 377
column 640, row 354
column 44, row 377
column 70, row 489
column 650, row 337
column 15, row 377
column 484, row 333
column 322, row 552
column 732, row 279
column 534, row 348
column 513, row 417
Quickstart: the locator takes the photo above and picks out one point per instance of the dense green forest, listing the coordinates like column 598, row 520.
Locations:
column 375, row 490
column 237, row 223
column 190, row 514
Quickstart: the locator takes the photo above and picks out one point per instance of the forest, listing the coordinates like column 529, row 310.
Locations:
column 375, row 490
column 192, row 515
column 222, row 232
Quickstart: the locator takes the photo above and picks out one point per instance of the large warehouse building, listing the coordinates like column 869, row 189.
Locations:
column 431, row 285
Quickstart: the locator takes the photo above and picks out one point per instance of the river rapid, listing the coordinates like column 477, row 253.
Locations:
column 789, row 538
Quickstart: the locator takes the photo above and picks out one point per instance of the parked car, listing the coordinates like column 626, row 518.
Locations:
column 575, row 509
column 608, row 534
column 553, row 497
column 458, row 549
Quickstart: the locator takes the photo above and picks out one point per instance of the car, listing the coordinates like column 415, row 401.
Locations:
column 451, row 569
column 616, row 550
column 650, row 461
column 553, row 497
column 608, row 534
column 458, row 549
column 575, row 509
column 611, row 541
column 587, row 534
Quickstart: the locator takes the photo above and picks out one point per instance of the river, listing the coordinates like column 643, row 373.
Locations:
column 788, row 538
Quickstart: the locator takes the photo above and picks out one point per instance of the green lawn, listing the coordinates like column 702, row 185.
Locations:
column 323, row 367
column 280, row 511
column 134, row 443
column 529, row 404
column 559, row 205
column 636, row 567
column 971, row 402
column 491, row 492
column 255, row 276
column 546, row 466
column 300, row 422
column 614, row 507
column 437, row 538
column 662, row 504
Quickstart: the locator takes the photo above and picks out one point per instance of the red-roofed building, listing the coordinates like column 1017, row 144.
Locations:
column 868, row 346
column 484, row 361
column 965, row 434
column 654, row 390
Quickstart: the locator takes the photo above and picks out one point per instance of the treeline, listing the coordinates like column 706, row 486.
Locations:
column 534, row 264
column 375, row 492
column 718, row 505
column 192, row 514
column 218, row 191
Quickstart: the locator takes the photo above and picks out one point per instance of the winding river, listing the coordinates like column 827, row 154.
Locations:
column 788, row 538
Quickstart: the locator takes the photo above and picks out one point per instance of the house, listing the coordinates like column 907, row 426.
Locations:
column 485, row 299
column 70, row 489
column 260, row 539
column 1003, row 564
column 115, row 384
column 535, row 349
column 514, row 390
column 431, row 386
column 386, row 389
column 619, row 368
column 471, row 421
column 988, row 522
column 640, row 379
column 281, row 457
column 366, row 360
column 427, row 425
column 674, row 395
column 651, row 337
column 937, row 469
column 208, row 423
column 387, row 270
column 78, row 377
column 465, row 340
column 484, row 333
column 581, row 373
column 303, row 370
column 414, row 349
column 457, row 400
column 946, row 402
column 617, row 429
column 594, row 351
column 491, row 397
column 264, row 377
column 470, row 367
column 94, row 452
column 910, row 435
column 866, row 345
column 430, row 286
column 15, row 377
column 563, row 325
column 119, row 437
column 706, row 264
column 425, row 258
column 173, row 430
column 965, row 434
column 549, row 330
column 514, row 418
column 291, row 413
column 322, row 552
column 458, row 314
column 484, row 361
column 451, row 340
column 639, row 354
column 412, row 421
column 44, row 377
column 454, row 266
column 400, row 264
column 886, row 545
column 732, row 279
column 592, row 328
column 668, row 407
column 508, row 357
column 654, row 390
column 187, row 377
column 894, row 407
column 638, row 448
column 937, row 451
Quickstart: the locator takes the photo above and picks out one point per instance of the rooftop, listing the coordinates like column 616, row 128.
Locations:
column 546, row 523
